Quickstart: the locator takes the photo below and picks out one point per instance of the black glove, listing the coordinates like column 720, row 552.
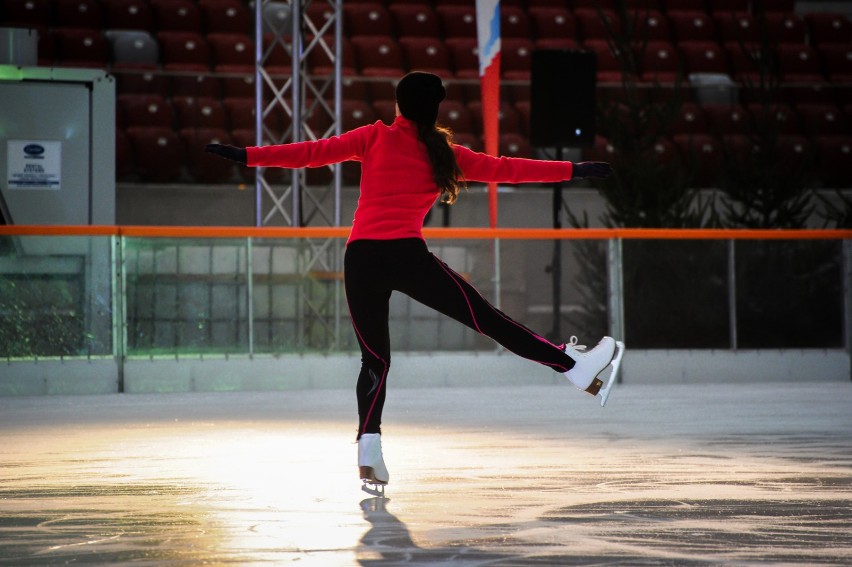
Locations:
column 232, row 153
column 592, row 169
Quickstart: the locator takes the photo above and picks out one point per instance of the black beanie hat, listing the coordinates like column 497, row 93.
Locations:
column 418, row 96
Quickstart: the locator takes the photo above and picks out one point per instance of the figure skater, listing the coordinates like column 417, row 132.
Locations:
column 405, row 168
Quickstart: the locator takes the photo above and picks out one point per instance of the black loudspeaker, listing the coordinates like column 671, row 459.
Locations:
column 562, row 98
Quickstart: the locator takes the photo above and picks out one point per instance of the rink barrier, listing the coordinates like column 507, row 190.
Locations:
column 215, row 371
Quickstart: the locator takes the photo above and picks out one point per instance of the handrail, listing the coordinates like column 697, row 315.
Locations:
column 430, row 233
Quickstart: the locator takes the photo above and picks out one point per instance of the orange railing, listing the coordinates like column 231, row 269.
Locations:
column 430, row 233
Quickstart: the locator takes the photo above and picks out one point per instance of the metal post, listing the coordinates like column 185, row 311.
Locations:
column 296, row 97
column 615, row 296
column 250, row 295
column 732, row 294
column 119, row 306
column 258, row 105
column 847, row 288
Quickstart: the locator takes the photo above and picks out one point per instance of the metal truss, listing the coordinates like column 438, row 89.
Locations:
column 303, row 30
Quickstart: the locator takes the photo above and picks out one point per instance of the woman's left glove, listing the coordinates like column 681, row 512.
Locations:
column 232, row 153
column 592, row 169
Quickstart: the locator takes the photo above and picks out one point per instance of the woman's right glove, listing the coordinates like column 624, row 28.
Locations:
column 232, row 153
column 592, row 169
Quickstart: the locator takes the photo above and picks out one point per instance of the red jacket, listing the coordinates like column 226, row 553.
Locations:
column 397, row 189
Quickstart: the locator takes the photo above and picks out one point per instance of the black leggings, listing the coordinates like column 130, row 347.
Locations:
column 375, row 268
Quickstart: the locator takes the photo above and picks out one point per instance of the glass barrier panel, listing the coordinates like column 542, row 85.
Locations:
column 676, row 294
column 56, row 296
column 186, row 296
column 790, row 293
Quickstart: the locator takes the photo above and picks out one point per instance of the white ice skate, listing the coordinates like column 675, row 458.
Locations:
column 589, row 364
column 371, row 464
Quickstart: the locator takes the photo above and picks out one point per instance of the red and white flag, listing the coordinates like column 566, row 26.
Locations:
column 488, row 36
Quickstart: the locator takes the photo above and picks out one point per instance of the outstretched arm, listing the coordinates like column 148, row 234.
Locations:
column 348, row 146
column 486, row 169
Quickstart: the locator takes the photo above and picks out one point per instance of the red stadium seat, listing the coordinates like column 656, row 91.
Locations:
column 778, row 118
column 514, row 22
column 457, row 21
column 516, row 58
column 464, row 56
column 356, row 113
column 426, row 54
column 738, row 27
column 176, row 15
column 823, row 120
column 786, row 28
column 415, row 20
column 80, row 48
column 226, row 16
column 798, row 63
column 128, row 15
column 457, row 116
column 660, row 62
column 690, row 120
column 724, row 119
column 692, row 26
column 595, row 25
column 157, row 153
column 145, row 110
column 367, row 18
column 650, row 25
column 199, row 113
column 379, row 55
column 552, row 23
column 703, row 57
column 231, row 49
column 184, row 48
column 828, row 28
column 515, row 145
column 78, row 14
column 26, row 13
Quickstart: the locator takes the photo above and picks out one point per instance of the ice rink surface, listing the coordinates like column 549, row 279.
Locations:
column 711, row 474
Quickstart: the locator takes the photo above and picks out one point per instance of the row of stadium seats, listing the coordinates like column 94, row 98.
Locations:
column 674, row 21
column 239, row 114
column 164, row 155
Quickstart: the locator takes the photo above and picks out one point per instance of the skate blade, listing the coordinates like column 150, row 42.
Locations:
column 377, row 490
column 613, row 376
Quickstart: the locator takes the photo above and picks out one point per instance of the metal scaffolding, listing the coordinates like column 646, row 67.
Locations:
column 301, row 30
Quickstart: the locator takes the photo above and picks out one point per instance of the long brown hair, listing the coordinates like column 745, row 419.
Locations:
column 445, row 170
